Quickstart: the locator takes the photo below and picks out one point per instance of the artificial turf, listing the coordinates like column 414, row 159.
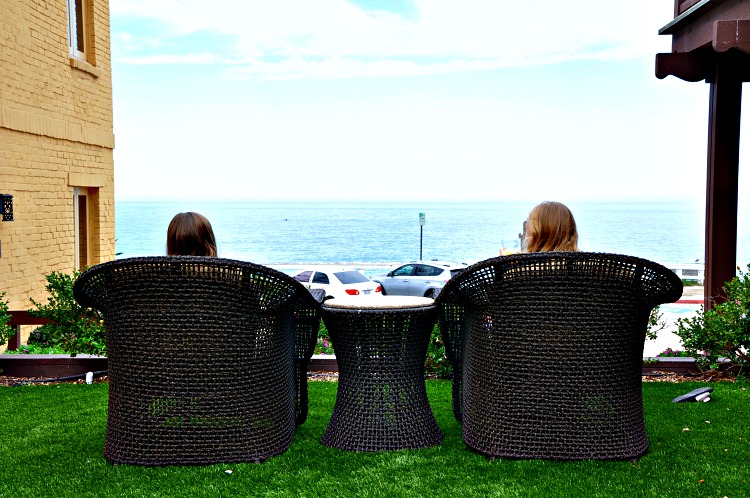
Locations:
column 52, row 440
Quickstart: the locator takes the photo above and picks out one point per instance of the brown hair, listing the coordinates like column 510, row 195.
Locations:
column 190, row 234
column 551, row 227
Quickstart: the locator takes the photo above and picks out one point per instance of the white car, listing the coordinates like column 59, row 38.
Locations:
column 418, row 278
column 339, row 282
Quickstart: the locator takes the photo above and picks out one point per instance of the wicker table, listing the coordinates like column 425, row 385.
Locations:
column 380, row 346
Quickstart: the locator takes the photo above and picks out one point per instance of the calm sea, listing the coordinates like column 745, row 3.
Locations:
column 376, row 235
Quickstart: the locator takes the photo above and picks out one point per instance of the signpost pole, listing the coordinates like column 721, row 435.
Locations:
column 421, row 226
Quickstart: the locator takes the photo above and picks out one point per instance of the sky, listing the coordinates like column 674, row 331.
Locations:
column 403, row 100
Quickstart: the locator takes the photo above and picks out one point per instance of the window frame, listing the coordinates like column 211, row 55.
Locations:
column 82, row 241
column 78, row 15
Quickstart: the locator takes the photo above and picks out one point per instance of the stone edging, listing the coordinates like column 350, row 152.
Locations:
column 50, row 365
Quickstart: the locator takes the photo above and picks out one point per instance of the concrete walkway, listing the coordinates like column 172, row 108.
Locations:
column 671, row 313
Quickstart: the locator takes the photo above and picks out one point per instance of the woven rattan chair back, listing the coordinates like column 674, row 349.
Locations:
column 547, row 352
column 207, row 358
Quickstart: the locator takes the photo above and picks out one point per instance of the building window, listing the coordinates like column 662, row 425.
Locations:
column 77, row 28
column 82, row 229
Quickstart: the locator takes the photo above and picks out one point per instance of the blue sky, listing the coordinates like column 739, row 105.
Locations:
column 482, row 100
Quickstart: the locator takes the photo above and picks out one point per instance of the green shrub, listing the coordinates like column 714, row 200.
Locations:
column 656, row 323
column 37, row 349
column 74, row 329
column 437, row 363
column 673, row 353
column 323, row 346
column 722, row 331
column 6, row 331
column 691, row 283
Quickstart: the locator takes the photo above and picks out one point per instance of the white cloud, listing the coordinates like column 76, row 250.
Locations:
column 293, row 39
column 204, row 58
column 588, row 131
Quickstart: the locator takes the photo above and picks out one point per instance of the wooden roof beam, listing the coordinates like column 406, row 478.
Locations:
column 731, row 34
column 700, row 65
column 687, row 67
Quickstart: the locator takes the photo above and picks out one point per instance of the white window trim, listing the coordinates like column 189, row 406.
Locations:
column 73, row 28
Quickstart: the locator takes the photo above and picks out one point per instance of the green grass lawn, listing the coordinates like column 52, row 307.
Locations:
column 53, row 436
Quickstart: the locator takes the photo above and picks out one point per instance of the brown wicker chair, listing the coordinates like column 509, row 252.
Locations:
column 207, row 358
column 547, row 352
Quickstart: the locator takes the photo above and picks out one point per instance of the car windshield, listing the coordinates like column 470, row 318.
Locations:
column 351, row 277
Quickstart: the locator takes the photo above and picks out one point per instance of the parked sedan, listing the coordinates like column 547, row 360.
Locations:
column 339, row 282
column 419, row 278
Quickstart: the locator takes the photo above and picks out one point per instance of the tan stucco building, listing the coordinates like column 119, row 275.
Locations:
column 56, row 141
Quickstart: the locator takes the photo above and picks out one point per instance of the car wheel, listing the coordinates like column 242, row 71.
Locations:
column 431, row 293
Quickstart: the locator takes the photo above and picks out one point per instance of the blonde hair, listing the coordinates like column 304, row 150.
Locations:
column 551, row 227
column 190, row 234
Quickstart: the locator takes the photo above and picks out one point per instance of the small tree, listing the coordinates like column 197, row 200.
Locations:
column 6, row 331
column 74, row 328
column 436, row 361
column 722, row 331
column 656, row 323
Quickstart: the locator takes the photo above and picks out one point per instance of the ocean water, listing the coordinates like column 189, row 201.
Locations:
column 376, row 235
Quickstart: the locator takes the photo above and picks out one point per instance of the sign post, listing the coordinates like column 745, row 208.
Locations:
column 421, row 226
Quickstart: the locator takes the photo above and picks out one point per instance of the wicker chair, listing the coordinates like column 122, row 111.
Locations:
column 207, row 358
column 547, row 352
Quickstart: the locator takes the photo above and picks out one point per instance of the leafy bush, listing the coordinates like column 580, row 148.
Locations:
column 323, row 346
column 74, row 329
column 656, row 323
column 673, row 353
column 6, row 331
column 37, row 349
column 722, row 331
column 691, row 283
column 437, row 363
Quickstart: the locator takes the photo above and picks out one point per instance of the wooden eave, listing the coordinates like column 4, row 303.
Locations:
column 719, row 24
column 704, row 32
column 689, row 16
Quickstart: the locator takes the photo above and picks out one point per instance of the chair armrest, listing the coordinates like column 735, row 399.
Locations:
column 318, row 294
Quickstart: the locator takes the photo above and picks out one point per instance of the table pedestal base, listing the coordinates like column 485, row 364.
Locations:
column 381, row 402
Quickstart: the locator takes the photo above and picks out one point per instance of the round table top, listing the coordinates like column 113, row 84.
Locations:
column 379, row 302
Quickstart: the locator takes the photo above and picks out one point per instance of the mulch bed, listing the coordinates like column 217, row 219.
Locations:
column 6, row 380
column 674, row 377
column 334, row 376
